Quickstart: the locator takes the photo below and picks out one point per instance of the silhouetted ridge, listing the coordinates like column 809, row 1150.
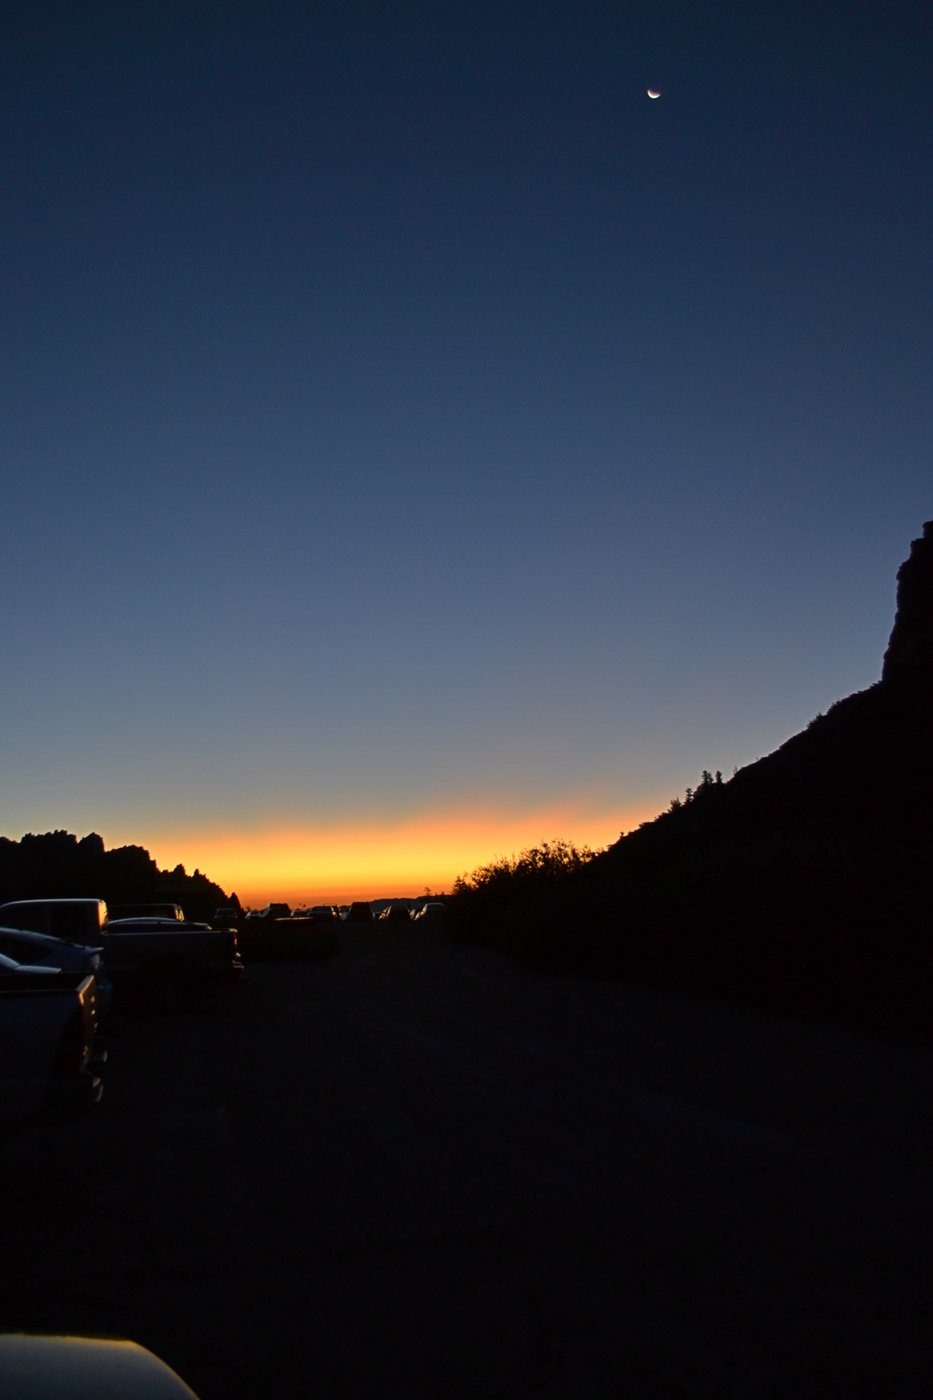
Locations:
column 58, row 865
column 909, row 657
column 803, row 882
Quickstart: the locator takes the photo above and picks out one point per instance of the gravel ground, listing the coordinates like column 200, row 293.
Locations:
column 416, row 1170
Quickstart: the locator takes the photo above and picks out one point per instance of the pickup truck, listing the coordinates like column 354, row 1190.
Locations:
column 48, row 1058
column 169, row 959
column 165, row 960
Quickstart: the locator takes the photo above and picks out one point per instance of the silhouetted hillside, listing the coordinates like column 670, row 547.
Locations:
column 58, row 865
column 803, row 882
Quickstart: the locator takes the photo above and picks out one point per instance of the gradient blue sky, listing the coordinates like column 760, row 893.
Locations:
column 408, row 426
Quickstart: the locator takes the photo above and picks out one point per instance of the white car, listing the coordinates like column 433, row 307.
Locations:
column 43, row 952
column 432, row 912
column 66, row 1368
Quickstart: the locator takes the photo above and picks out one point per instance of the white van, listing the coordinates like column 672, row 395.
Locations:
column 74, row 920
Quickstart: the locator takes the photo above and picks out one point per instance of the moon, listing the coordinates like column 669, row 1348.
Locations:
column 654, row 92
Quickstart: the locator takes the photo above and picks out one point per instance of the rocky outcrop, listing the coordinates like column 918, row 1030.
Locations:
column 802, row 884
column 909, row 657
column 803, row 881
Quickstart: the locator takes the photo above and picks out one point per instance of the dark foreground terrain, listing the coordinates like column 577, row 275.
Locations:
column 415, row 1170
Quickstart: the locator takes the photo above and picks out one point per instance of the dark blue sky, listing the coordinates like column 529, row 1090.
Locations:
column 403, row 414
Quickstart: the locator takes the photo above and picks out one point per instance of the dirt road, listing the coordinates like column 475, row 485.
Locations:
column 416, row 1170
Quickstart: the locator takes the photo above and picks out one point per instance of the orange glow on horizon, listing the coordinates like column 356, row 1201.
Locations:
column 366, row 860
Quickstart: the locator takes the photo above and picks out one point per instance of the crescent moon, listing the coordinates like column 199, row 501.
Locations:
column 654, row 92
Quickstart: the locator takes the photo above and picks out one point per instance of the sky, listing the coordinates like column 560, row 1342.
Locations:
column 418, row 443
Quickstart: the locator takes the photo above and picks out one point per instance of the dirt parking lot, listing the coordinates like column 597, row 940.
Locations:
column 416, row 1170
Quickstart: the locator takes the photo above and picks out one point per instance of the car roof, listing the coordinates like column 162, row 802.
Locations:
column 82, row 899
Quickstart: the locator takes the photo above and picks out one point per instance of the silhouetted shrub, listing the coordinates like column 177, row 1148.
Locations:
column 511, row 902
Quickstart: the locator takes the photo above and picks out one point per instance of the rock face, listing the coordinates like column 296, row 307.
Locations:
column 909, row 657
column 802, row 884
column 805, row 879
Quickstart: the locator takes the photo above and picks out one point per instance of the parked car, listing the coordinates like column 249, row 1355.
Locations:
column 165, row 959
column 171, row 953
column 359, row 912
column 48, row 1056
column 323, row 912
column 294, row 939
column 42, row 950
column 399, row 913
column 275, row 911
column 66, row 1368
column 74, row 920
column 431, row 913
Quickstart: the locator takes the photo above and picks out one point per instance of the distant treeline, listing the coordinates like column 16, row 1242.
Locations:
column 59, row 865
